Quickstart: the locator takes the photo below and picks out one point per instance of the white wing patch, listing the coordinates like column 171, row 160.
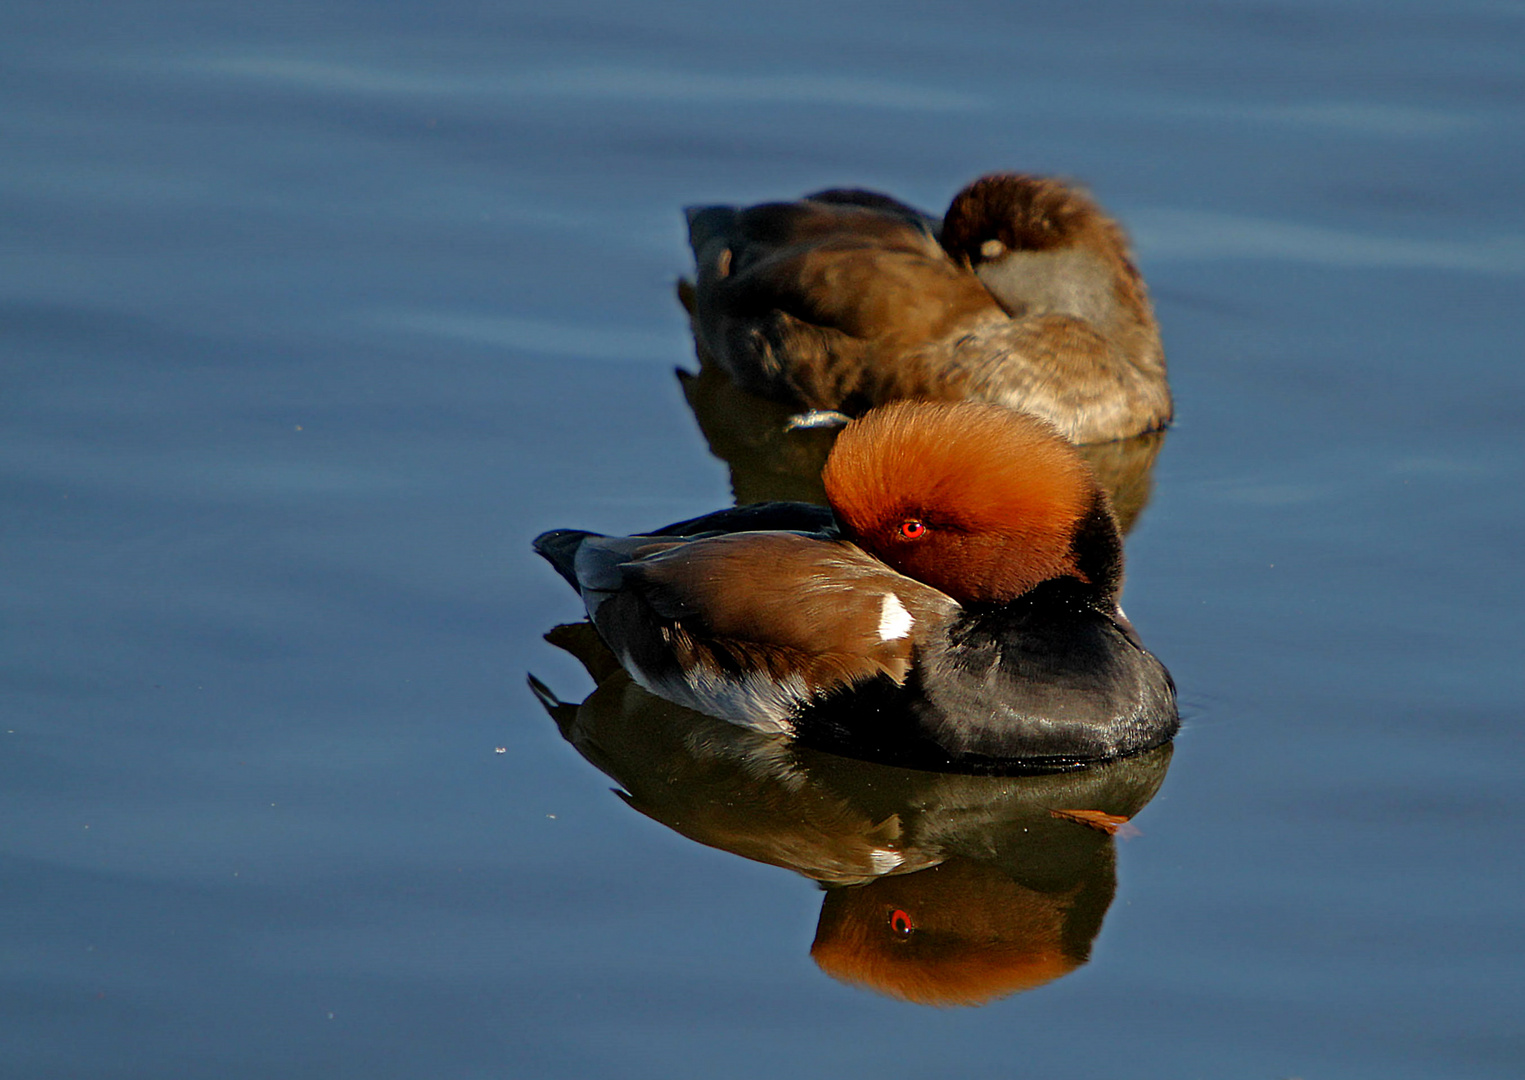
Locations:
column 894, row 620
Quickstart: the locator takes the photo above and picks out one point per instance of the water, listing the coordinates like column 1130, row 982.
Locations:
column 313, row 317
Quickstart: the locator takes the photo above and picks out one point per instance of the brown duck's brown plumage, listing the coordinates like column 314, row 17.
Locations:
column 1025, row 297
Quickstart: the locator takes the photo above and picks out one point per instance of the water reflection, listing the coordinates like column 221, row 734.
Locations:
column 768, row 459
column 940, row 889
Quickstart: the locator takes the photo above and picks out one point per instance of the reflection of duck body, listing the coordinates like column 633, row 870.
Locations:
column 942, row 889
column 1025, row 296
column 769, row 458
column 961, row 610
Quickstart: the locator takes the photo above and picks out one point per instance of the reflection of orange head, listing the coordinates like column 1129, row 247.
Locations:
column 962, row 933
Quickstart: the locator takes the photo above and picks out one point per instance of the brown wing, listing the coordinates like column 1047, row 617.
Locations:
column 796, row 300
column 1054, row 366
column 752, row 626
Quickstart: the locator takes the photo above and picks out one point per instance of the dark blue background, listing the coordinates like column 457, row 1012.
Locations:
column 312, row 315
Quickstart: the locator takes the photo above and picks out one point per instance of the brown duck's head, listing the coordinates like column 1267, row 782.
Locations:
column 980, row 501
column 1017, row 212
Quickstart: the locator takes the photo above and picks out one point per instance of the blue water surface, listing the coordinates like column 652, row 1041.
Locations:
column 311, row 316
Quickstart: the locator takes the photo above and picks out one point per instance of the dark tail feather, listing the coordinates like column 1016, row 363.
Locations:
column 707, row 222
column 559, row 548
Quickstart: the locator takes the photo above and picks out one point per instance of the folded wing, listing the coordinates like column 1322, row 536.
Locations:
column 752, row 627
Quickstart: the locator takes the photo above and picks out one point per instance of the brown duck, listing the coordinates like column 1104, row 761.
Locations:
column 1024, row 295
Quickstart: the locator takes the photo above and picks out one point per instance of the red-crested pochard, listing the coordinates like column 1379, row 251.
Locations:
column 955, row 608
column 1024, row 295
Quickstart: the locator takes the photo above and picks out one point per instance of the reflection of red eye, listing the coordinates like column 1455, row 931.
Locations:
column 900, row 922
column 912, row 530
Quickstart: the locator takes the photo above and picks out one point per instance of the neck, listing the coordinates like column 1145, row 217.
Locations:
column 1054, row 596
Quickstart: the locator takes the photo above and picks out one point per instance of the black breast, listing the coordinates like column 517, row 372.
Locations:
column 1044, row 683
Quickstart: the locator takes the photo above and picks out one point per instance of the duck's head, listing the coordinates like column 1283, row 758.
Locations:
column 980, row 501
column 1039, row 244
column 1016, row 212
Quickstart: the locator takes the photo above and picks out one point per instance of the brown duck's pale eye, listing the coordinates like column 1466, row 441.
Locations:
column 913, row 529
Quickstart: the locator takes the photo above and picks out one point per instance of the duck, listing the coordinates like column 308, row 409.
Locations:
column 1024, row 294
column 954, row 607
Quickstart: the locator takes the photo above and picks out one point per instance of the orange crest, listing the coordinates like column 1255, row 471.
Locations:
column 976, row 500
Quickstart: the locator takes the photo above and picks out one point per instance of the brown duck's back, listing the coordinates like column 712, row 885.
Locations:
column 803, row 302
column 848, row 300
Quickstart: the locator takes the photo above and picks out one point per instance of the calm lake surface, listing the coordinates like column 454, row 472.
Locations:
column 313, row 315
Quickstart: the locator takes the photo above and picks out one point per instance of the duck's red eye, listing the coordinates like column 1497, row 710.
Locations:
column 913, row 529
column 900, row 922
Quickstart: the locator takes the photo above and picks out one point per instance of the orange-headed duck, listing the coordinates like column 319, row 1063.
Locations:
column 956, row 607
column 1024, row 295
